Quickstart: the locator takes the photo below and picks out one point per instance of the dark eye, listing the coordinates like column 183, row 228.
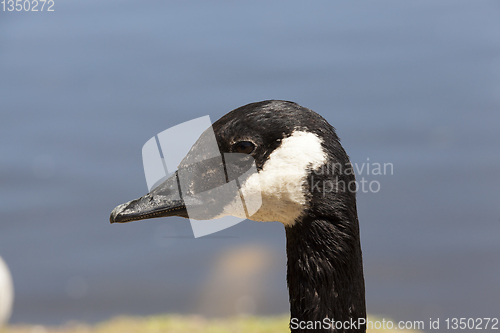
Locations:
column 244, row 147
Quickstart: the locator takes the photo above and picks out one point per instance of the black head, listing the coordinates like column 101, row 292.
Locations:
column 298, row 162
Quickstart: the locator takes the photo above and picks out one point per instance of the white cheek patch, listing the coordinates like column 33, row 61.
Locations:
column 282, row 178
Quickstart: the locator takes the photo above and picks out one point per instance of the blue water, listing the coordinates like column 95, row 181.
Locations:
column 415, row 84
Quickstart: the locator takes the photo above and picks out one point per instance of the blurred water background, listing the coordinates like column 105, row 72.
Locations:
column 415, row 84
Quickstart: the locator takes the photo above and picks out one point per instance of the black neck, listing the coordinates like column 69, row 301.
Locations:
column 325, row 271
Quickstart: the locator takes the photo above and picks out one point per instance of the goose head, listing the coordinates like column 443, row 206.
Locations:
column 280, row 153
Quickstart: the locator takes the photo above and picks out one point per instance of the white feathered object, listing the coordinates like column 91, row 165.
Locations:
column 6, row 293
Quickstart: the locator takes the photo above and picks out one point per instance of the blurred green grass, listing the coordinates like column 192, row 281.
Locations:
column 174, row 324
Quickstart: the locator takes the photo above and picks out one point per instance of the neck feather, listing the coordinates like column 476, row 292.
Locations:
column 325, row 271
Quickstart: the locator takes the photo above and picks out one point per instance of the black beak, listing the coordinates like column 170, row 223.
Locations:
column 200, row 188
column 163, row 201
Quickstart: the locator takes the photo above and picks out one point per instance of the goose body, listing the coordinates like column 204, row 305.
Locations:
column 303, row 177
column 6, row 293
